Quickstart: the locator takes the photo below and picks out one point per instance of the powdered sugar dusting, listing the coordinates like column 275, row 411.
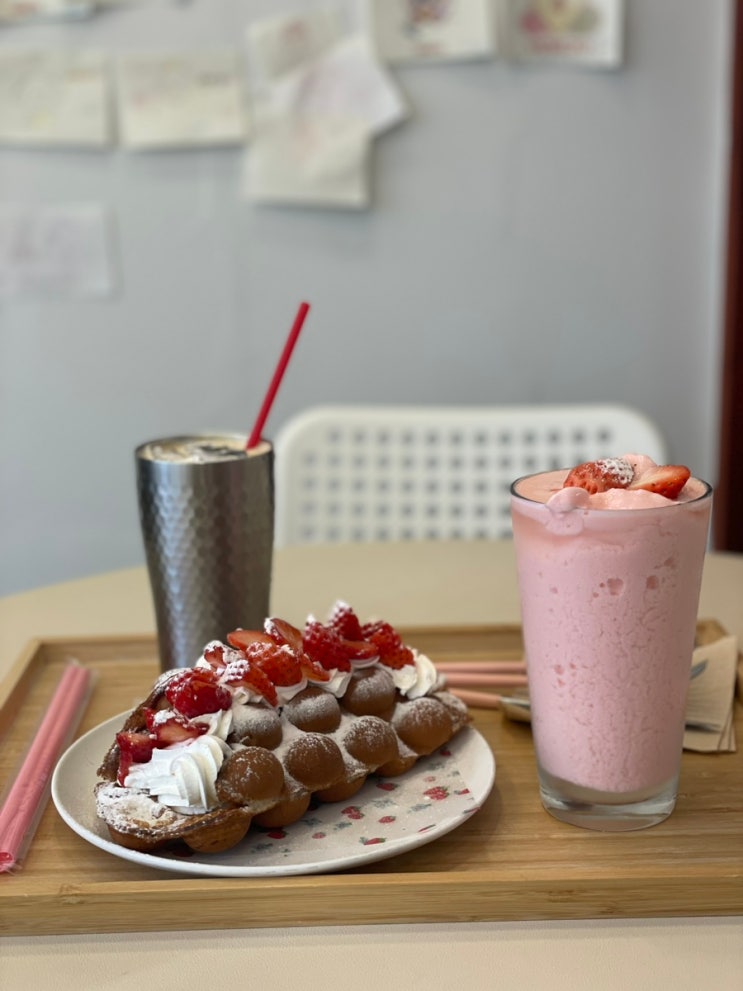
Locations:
column 123, row 808
column 619, row 470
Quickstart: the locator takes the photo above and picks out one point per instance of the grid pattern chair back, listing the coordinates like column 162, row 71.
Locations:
column 376, row 473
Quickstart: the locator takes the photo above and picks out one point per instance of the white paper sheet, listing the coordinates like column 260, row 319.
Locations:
column 318, row 161
column 54, row 98
column 58, row 251
column 347, row 81
column 178, row 100
column 313, row 128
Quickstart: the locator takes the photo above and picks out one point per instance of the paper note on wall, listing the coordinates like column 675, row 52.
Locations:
column 281, row 44
column 432, row 30
column 583, row 32
column 313, row 128
column 55, row 251
column 313, row 162
column 181, row 100
column 54, row 98
column 22, row 11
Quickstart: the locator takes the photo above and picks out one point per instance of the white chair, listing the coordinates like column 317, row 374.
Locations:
column 375, row 473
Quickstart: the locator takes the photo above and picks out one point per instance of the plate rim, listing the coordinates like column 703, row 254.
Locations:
column 468, row 737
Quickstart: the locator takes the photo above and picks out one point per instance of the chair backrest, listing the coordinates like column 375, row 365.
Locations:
column 371, row 473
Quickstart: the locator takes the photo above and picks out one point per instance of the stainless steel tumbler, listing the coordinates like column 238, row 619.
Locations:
column 207, row 511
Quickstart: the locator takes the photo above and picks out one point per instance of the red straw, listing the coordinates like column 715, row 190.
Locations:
column 278, row 376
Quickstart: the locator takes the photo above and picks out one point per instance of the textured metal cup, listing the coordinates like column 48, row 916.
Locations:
column 207, row 526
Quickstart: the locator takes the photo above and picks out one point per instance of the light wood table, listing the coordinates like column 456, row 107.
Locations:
column 412, row 584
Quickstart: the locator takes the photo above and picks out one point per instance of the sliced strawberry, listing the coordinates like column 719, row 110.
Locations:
column 134, row 748
column 214, row 656
column 241, row 674
column 383, row 637
column 311, row 670
column 196, row 691
column 599, row 476
column 323, row 646
column 243, row 638
column 172, row 728
column 387, row 642
column 666, row 480
column 284, row 634
column 279, row 664
column 399, row 658
column 360, row 650
column 345, row 622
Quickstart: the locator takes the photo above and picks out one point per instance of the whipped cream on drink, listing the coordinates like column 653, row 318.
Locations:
column 610, row 558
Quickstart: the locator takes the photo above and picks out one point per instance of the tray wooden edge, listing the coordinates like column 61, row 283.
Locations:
column 335, row 900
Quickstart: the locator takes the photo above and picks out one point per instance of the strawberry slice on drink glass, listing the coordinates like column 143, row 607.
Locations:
column 618, row 473
column 600, row 476
column 665, row 480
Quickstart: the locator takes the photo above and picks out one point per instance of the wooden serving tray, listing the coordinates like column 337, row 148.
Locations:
column 510, row 861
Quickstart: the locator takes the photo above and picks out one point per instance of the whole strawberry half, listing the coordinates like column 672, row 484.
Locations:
column 600, row 476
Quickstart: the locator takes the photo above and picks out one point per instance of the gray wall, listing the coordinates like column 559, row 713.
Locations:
column 537, row 234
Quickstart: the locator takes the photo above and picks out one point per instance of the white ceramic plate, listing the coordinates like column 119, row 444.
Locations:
column 387, row 817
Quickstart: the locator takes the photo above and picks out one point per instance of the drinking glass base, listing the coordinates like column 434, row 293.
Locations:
column 608, row 812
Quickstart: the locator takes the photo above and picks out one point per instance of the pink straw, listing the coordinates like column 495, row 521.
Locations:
column 27, row 797
column 481, row 700
column 484, row 667
column 468, row 679
column 278, row 375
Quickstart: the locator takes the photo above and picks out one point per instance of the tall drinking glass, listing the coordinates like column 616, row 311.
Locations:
column 609, row 602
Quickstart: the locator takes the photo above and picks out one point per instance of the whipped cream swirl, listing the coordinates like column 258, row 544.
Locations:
column 418, row 679
column 183, row 775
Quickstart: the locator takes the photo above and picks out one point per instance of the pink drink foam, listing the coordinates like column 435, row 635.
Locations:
column 609, row 589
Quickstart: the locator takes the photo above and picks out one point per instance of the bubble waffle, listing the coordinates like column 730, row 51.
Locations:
column 266, row 723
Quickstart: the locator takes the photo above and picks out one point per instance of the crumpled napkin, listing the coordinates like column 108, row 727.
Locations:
column 709, row 707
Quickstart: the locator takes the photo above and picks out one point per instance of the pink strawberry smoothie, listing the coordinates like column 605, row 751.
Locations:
column 609, row 588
